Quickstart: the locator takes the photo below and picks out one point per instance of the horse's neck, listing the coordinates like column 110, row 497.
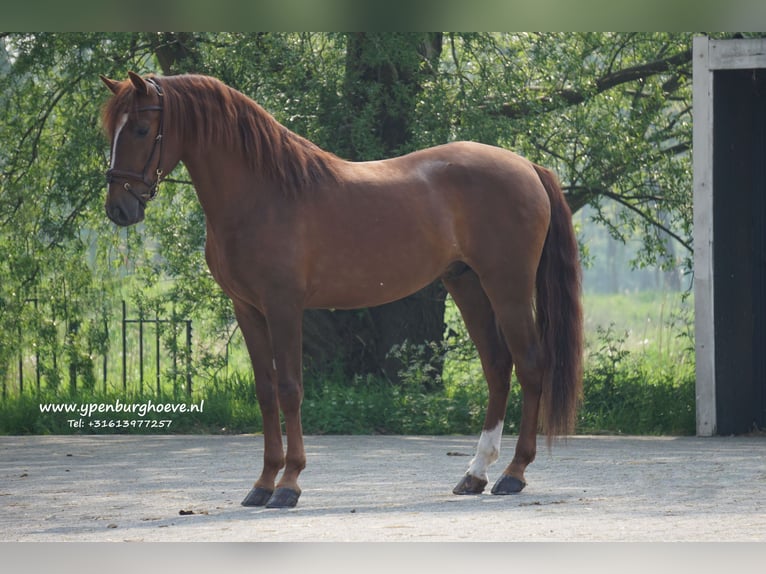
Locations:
column 224, row 184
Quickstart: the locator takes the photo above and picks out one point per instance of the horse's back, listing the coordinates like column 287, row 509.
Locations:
column 495, row 195
column 395, row 225
column 472, row 175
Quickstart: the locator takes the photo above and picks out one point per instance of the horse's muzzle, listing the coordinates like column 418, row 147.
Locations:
column 129, row 211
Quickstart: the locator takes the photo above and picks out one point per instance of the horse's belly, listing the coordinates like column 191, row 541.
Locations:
column 354, row 287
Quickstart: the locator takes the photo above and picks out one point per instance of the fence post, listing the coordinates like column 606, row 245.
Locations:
column 140, row 351
column 175, row 352
column 37, row 348
column 73, row 327
column 188, row 357
column 157, row 349
column 21, row 362
column 106, row 352
column 124, row 348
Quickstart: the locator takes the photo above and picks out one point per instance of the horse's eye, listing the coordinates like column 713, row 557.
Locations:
column 142, row 129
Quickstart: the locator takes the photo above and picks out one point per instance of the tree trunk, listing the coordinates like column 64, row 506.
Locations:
column 176, row 52
column 383, row 77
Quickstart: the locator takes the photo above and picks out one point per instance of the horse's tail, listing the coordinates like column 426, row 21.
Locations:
column 558, row 310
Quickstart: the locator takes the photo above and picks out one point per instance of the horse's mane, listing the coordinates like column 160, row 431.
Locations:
column 206, row 112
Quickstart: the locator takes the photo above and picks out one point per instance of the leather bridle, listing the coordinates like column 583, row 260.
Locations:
column 151, row 184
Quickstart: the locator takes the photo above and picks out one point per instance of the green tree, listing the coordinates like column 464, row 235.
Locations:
column 51, row 177
column 611, row 113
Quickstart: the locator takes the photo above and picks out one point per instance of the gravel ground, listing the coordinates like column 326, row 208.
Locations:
column 380, row 488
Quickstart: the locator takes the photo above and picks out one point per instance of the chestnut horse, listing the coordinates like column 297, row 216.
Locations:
column 290, row 227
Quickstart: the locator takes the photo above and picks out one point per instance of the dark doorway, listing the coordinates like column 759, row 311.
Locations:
column 739, row 208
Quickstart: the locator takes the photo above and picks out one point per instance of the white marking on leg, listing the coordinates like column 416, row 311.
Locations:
column 487, row 452
column 120, row 125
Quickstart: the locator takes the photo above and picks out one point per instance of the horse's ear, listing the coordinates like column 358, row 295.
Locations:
column 111, row 84
column 139, row 83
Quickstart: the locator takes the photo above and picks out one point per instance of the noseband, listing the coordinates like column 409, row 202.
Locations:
column 144, row 177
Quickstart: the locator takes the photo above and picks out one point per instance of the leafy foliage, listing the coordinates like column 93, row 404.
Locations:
column 611, row 113
column 636, row 394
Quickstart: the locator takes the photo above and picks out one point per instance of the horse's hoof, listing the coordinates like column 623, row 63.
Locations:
column 508, row 484
column 283, row 497
column 470, row 485
column 257, row 496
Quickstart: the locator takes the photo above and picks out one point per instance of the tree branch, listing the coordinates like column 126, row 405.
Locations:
column 590, row 192
column 567, row 97
column 643, row 71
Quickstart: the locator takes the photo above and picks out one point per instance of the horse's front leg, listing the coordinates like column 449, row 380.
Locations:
column 285, row 327
column 256, row 334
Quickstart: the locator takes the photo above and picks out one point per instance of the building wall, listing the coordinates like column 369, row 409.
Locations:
column 730, row 234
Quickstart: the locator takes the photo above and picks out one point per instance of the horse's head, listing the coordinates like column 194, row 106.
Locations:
column 133, row 119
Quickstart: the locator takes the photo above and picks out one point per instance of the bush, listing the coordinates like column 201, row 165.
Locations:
column 636, row 393
column 626, row 390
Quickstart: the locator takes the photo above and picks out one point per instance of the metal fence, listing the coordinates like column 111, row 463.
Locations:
column 174, row 323
column 154, row 350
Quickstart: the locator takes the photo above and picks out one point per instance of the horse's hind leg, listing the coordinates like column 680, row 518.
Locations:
column 512, row 302
column 496, row 362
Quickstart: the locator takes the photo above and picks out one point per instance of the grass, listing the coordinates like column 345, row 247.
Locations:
column 640, row 370
column 639, row 379
column 655, row 322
